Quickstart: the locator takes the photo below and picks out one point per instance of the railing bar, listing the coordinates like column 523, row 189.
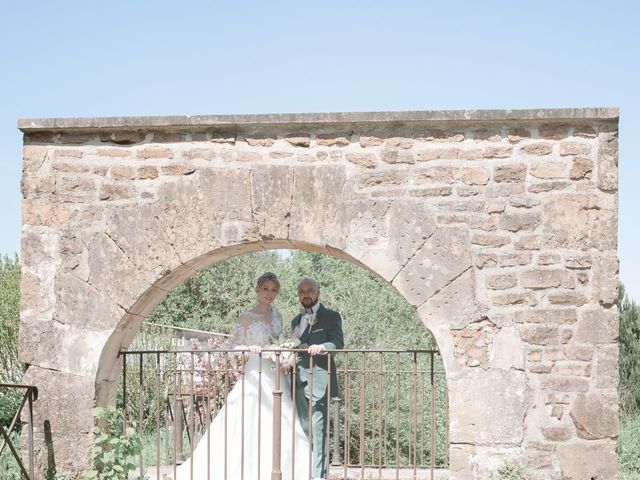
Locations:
column 277, row 423
column 260, row 410
column 124, row 393
column 207, row 419
column 415, row 415
column 226, row 416
column 16, row 416
column 30, row 434
column 14, row 452
column 242, row 381
column 433, row 418
column 177, row 437
column 141, row 408
column 158, row 415
column 361, row 411
column 294, row 412
column 347, row 416
column 380, row 406
column 398, row 417
column 310, row 412
column 327, row 423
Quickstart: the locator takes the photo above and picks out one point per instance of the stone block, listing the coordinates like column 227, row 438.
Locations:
column 298, row 140
column 588, row 460
column 33, row 157
column 515, row 222
column 499, row 417
column 597, row 325
column 514, row 259
column 122, row 172
column 579, row 222
column 147, row 153
column 110, row 192
column 554, row 131
column 476, row 176
column 546, row 278
column 539, row 334
column 608, row 163
column 516, row 134
column 548, row 169
column 443, row 257
column 367, row 160
column 271, row 197
column 39, row 212
column 490, row 239
column 447, row 153
column 436, row 175
column 528, row 242
column 556, row 316
column 498, row 151
column 147, row 173
column 510, row 173
column 605, row 280
column 501, row 281
column 606, row 367
column 539, row 149
column 563, row 383
column 595, row 416
column 571, row 147
column 516, row 298
column 581, row 168
column 567, row 298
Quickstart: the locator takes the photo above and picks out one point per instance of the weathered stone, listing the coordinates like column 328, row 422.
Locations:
column 400, row 142
column 564, row 383
column 524, row 298
column 549, row 259
column 178, row 169
column 528, row 242
column 147, row 173
column 384, row 179
column 436, row 174
column 539, row 334
column 199, row 153
column 501, row 281
column 432, row 192
column 557, row 316
column 123, row 138
column 498, row 152
column 393, row 156
column 608, row 163
column 501, row 418
column 271, row 197
column 487, row 133
column 507, row 350
column 605, row 280
column 537, row 148
column 470, row 153
column 582, row 262
column 490, row 239
column 515, row 222
column 366, row 160
column 574, row 148
column 544, row 187
column 74, row 189
column 476, row 176
column 366, row 142
column 553, row 131
column 543, row 278
column 580, row 369
column 524, row 201
column 260, row 141
column 595, row 416
column 115, row 192
column 483, row 222
column 36, row 187
column 581, row 168
column 283, row 154
column 496, row 206
column 567, row 298
column 503, row 190
column 122, row 172
column 588, row 460
column 598, row 325
column 513, row 259
column 113, row 152
column 298, row 140
column 443, row 257
column 516, row 134
column 557, row 433
column 578, row 222
column 548, row 169
column 437, row 154
column 247, row 157
column 485, row 260
column 34, row 157
column 606, row 367
column 154, row 152
column 515, row 172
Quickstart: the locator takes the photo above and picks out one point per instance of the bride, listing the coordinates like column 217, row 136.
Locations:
column 246, row 420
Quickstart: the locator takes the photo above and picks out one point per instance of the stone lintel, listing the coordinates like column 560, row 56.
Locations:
column 342, row 119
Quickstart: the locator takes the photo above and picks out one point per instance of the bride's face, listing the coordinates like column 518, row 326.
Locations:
column 267, row 292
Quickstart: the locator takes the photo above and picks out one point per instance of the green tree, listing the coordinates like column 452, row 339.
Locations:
column 629, row 354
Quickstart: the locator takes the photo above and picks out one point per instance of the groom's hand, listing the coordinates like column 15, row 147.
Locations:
column 316, row 350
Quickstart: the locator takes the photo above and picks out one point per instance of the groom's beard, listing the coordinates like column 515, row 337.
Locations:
column 308, row 302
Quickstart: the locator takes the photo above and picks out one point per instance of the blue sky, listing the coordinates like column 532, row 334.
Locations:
column 72, row 58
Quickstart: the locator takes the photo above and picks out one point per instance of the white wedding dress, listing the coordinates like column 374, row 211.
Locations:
column 253, row 439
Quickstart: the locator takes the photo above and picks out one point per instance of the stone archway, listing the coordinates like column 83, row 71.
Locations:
column 498, row 227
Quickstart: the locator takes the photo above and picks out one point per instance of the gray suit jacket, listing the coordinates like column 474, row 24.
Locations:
column 326, row 331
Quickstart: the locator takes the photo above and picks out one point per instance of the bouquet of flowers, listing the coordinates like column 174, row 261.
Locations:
column 284, row 345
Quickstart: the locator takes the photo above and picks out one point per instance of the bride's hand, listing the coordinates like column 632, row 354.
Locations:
column 255, row 349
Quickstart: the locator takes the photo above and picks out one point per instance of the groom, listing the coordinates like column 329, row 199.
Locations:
column 321, row 330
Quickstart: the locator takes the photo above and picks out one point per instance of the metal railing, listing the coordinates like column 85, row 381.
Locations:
column 28, row 397
column 390, row 421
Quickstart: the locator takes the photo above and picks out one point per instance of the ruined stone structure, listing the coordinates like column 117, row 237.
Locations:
column 498, row 226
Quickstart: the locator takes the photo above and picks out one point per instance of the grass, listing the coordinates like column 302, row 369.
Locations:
column 629, row 448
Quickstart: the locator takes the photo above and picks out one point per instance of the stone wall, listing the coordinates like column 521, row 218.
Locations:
column 498, row 226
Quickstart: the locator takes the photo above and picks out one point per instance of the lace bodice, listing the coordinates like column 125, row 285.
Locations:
column 252, row 329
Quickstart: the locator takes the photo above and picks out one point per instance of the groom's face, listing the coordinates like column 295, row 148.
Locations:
column 308, row 294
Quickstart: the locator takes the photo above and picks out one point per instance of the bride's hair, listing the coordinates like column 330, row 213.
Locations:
column 265, row 277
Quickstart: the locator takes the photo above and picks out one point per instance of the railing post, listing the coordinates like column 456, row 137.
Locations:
column 177, row 421
column 276, row 473
column 30, row 432
column 335, row 460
